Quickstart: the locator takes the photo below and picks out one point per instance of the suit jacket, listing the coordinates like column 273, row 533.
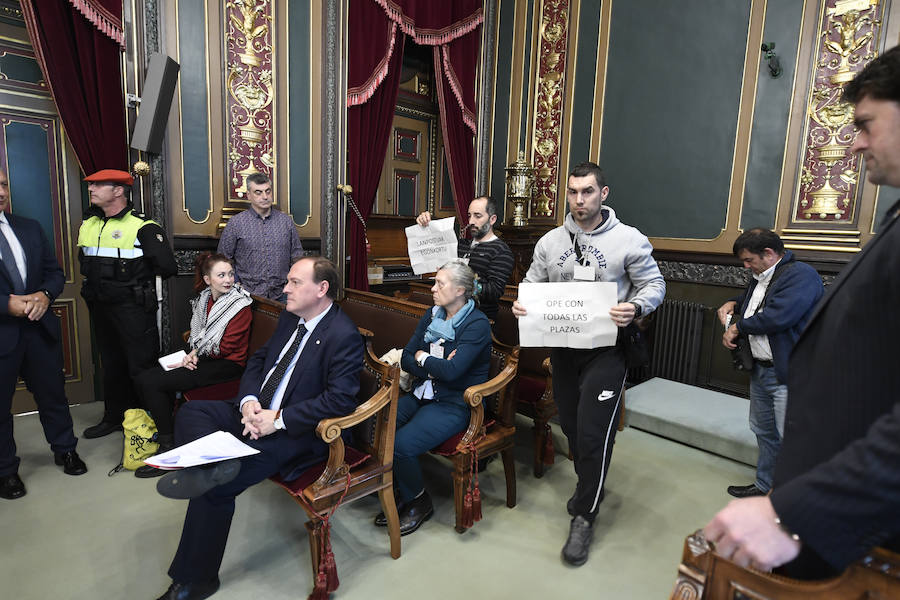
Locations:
column 325, row 381
column 469, row 366
column 42, row 272
column 837, row 481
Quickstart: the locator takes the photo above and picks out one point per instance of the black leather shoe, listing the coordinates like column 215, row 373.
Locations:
column 70, row 462
column 101, row 429
column 11, row 487
column 193, row 482
column 148, row 472
column 415, row 512
column 166, row 443
column 191, row 591
column 745, row 491
column 581, row 532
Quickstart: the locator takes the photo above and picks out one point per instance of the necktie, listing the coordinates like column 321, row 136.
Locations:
column 9, row 261
column 268, row 389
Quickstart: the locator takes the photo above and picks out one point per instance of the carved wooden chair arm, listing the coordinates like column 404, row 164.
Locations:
column 474, row 397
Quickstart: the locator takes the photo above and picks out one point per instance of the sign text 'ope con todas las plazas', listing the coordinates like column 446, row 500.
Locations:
column 567, row 314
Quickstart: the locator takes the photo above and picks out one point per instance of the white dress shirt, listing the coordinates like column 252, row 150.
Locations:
column 14, row 245
column 759, row 344
column 282, row 386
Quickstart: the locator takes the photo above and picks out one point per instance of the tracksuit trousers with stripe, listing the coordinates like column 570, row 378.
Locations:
column 587, row 388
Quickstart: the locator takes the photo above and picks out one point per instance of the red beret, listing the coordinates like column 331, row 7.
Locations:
column 112, row 176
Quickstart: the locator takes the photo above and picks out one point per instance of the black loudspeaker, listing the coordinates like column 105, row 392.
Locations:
column 159, row 88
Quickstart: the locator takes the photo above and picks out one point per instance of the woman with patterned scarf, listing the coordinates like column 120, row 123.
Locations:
column 450, row 351
column 220, row 336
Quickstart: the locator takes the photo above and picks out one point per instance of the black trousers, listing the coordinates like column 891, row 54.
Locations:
column 128, row 343
column 156, row 387
column 208, row 517
column 38, row 359
column 587, row 388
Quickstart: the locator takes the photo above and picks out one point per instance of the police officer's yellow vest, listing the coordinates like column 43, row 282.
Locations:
column 112, row 259
column 112, row 238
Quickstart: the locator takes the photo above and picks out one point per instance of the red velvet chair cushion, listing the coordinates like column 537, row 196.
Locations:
column 530, row 389
column 448, row 448
column 352, row 456
column 218, row 391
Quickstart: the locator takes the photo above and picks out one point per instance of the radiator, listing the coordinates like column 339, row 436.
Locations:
column 675, row 339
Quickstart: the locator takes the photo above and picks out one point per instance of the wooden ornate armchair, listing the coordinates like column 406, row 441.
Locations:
column 704, row 575
column 352, row 472
column 491, row 429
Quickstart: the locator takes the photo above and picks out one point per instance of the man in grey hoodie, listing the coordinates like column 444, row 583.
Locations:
column 593, row 245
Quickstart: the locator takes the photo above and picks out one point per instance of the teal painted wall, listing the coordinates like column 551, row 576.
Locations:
column 27, row 150
column 502, row 108
column 671, row 109
column 585, row 70
column 771, row 115
column 194, row 108
column 299, row 23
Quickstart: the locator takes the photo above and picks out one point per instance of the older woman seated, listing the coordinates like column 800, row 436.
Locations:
column 450, row 351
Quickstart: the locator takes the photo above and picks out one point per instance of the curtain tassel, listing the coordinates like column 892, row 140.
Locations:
column 476, row 504
column 549, row 453
column 467, row 511
column 320, row 591
column 331, row 575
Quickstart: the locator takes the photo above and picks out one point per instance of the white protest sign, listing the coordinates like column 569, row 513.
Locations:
column 571, row 314
column 432, row 246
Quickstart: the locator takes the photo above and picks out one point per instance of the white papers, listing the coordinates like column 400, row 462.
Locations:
column 571, row 314
column 167, row 361
column 215, row 447
column 431, row 247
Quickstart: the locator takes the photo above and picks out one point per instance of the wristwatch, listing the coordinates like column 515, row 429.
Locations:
column 637, row 309
column 47, row 293
column 279, row 422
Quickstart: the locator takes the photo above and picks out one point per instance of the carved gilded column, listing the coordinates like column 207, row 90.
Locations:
column 249, row 98
column 825, row 211
column 549, row 93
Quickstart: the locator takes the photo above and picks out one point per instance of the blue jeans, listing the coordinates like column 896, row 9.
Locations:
column 768, row 401
column 421, row 426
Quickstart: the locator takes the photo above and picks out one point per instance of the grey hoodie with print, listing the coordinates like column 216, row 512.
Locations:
column 617, row 252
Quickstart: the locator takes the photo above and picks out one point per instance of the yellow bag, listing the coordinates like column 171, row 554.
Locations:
column 140, row 438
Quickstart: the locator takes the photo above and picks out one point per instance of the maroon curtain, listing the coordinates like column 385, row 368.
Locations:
column 376, row 30
column 373, row 80
column 454, row 68
column 78, row 46
column 454, row 29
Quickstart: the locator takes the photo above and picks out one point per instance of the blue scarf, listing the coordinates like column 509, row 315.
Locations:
column 440, row 327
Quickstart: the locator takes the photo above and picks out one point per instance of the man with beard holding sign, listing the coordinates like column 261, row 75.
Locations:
column 487, row 255
column 593, row 245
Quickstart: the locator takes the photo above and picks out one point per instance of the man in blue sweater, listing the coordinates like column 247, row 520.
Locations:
column 772, row 312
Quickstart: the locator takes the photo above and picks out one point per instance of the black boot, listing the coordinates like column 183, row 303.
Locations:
column 166, row 442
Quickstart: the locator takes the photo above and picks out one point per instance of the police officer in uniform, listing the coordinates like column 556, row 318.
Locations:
column 121, row 251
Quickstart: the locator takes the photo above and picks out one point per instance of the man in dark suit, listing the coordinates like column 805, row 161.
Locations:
column 308, row 371
column 30, row 278
column 837, row 482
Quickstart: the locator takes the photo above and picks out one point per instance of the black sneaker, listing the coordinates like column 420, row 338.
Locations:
column 581, row 532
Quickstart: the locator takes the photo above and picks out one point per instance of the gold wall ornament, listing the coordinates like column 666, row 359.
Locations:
column 828, row 179
column 250, row 97
column 550, row 78
column 520, row 179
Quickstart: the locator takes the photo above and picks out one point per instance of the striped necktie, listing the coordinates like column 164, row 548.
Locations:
column 268, row 389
